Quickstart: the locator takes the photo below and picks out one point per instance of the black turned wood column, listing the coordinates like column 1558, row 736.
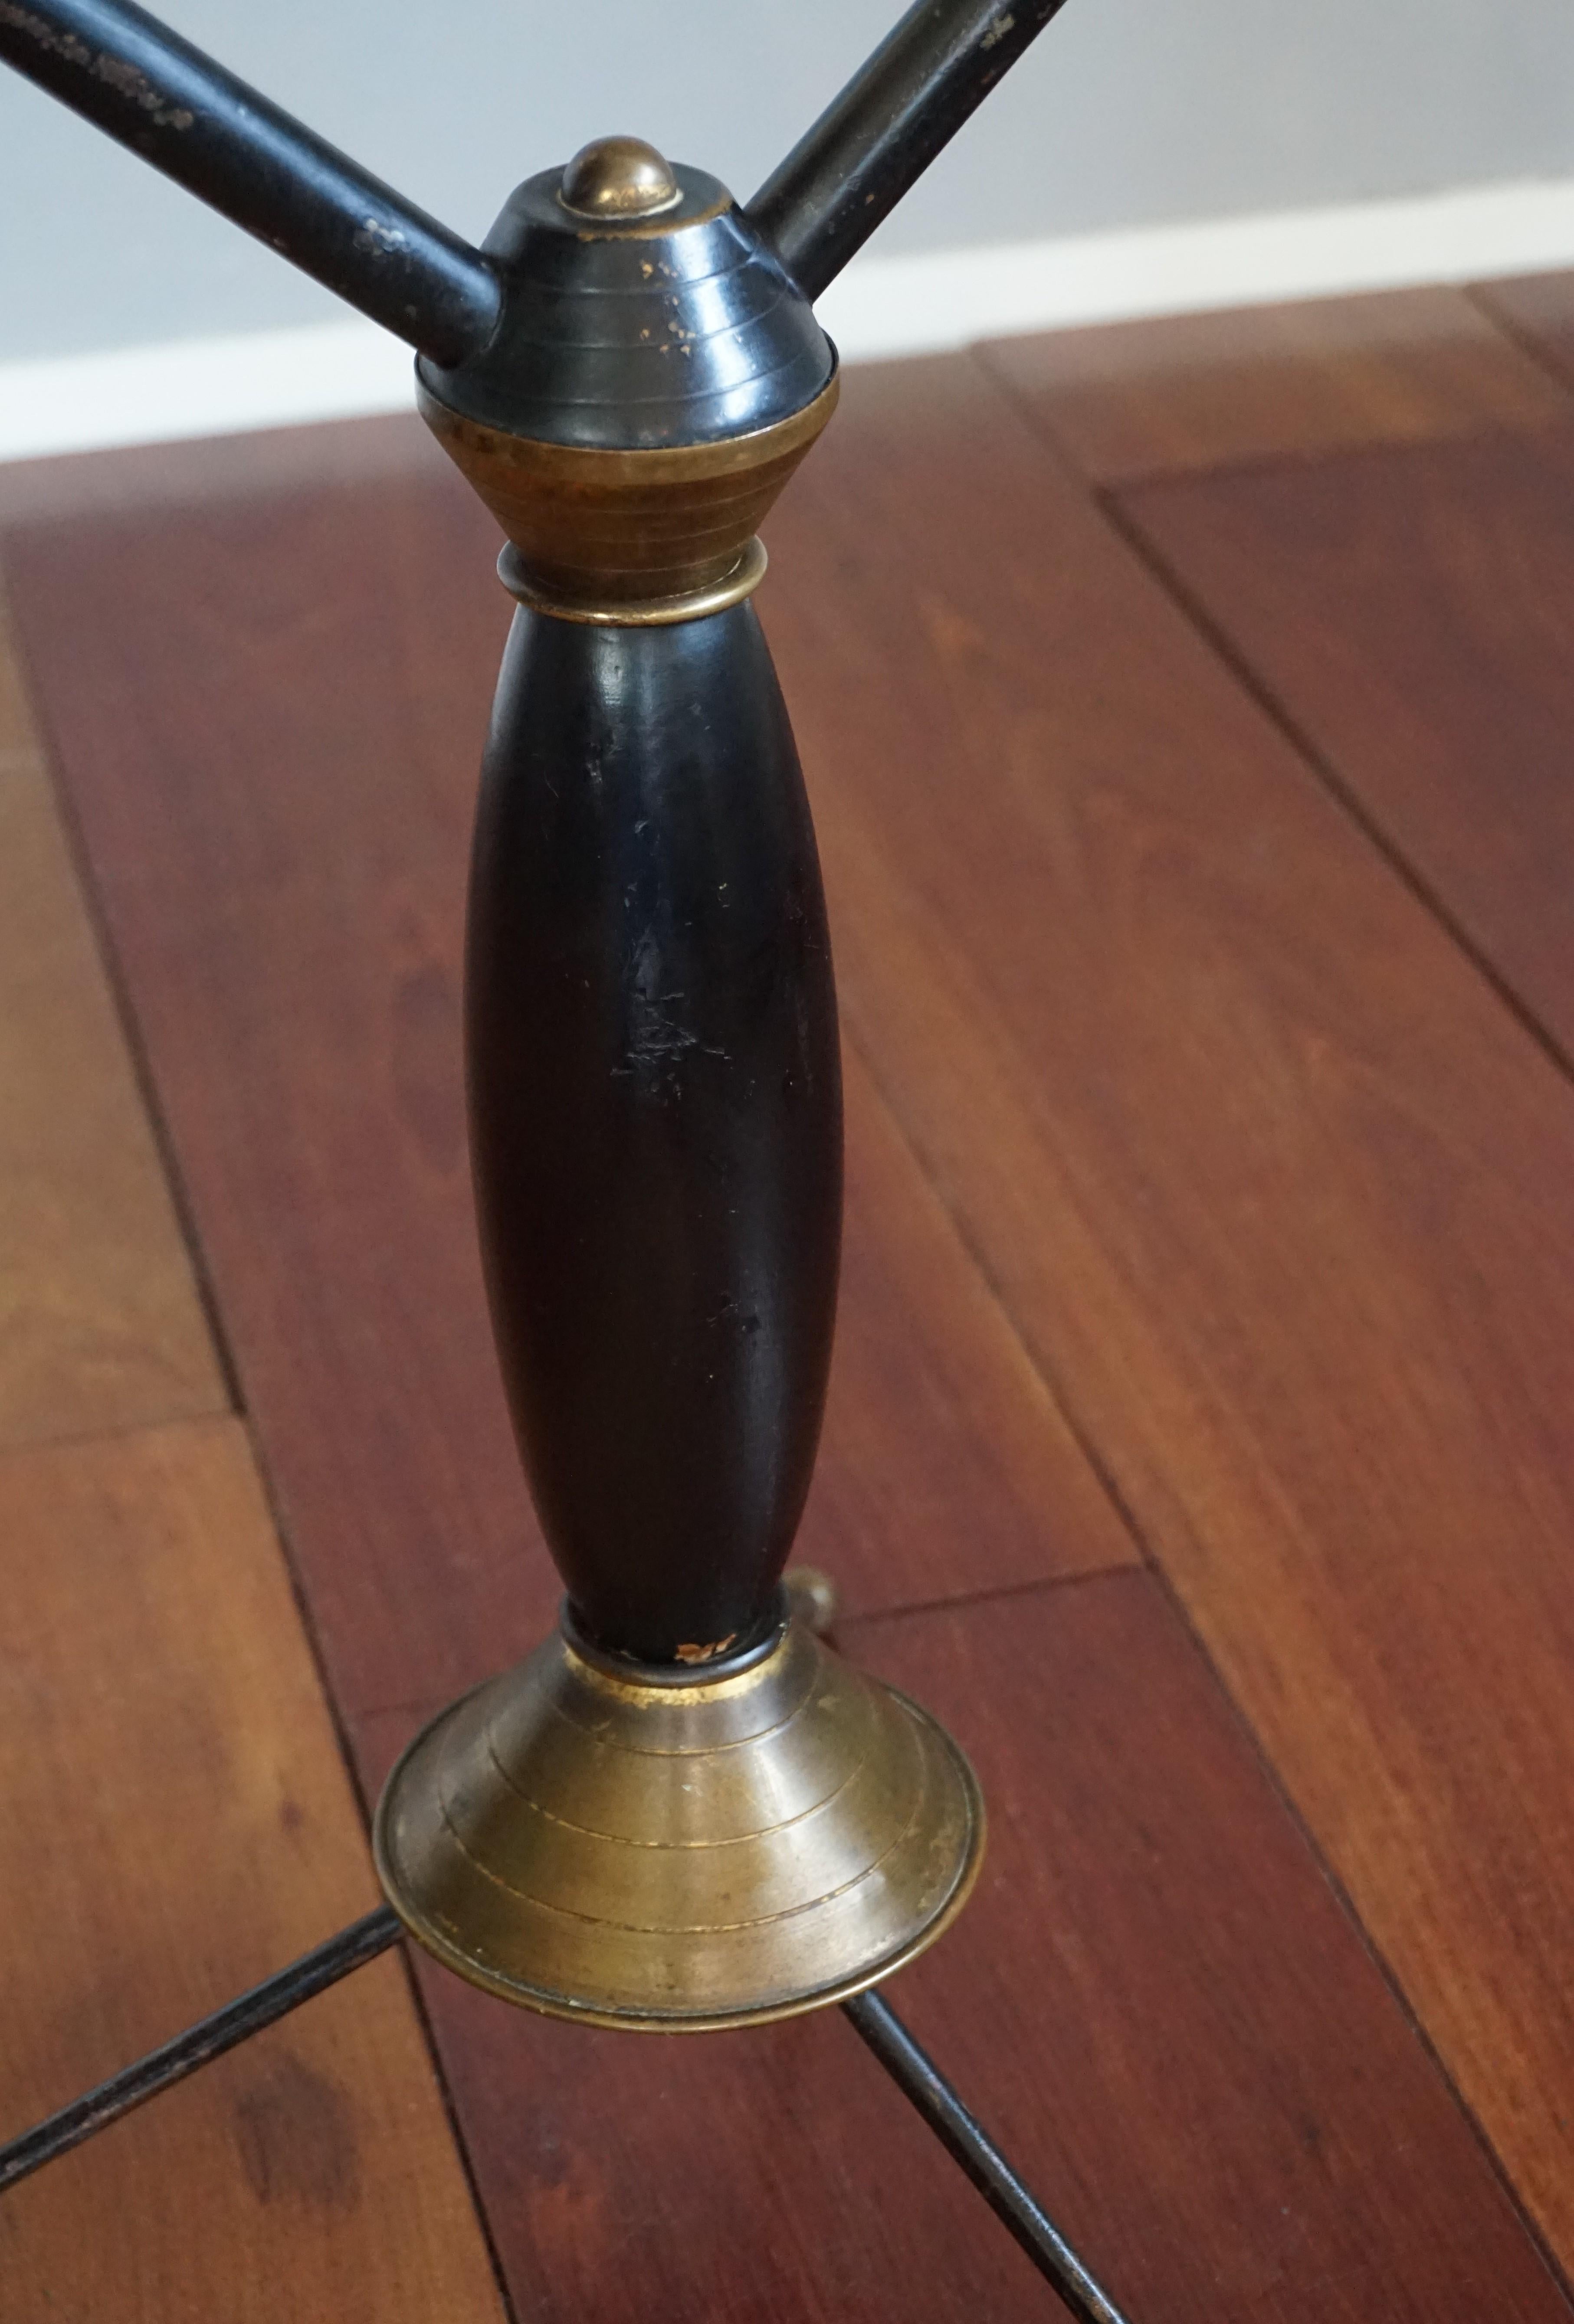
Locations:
column 681, row 1812
column 655, row 1113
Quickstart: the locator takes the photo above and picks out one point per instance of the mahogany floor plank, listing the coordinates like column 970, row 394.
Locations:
column 1197, row 391
column 209, row 470
column 100, row 1322
column 273, row 750
column 1413, row 615
column 945, row 1467
column 1215, row 1105
column 1154, row 2001
column 271, row 754
column 175, row 1823
column 1274, row 1184
column 1538, row 309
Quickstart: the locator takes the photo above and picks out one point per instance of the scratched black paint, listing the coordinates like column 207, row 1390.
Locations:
column 686, row 333
column 656, row 1115
column 142, row 83
column 111, row 61
column 899, row 109
column 210, row 2037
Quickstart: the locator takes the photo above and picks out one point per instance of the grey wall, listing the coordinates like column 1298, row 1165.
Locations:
column 1127, row 112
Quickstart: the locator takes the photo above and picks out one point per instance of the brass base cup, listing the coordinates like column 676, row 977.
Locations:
column 679, row 1852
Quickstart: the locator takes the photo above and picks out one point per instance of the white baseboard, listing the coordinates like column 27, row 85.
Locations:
column 201, row 387
column 880, row 307
column 948, row 298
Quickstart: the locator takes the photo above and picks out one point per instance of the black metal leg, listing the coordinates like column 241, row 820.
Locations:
column 922, row 2081
column 210, row 2037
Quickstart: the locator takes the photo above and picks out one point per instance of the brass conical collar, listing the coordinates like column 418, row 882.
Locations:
column 680, row 1856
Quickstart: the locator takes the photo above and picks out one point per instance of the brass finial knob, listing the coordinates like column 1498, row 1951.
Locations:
column 618, row 178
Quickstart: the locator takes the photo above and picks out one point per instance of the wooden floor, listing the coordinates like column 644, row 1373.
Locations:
column 1189, row 714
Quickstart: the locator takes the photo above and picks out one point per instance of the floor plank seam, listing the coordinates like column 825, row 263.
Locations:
column 1153, row 1567
column 1006, row 1592
column 338, row 1727
column 306, row 1615
column 136, row 1051
column 1329, row 780
column 339, row 1721
column 1288, row 459
column 1539, row 2241
column 421, row 1707
column 85, row 1440
column 505, row 2300
column 1527, row 343
column 129, row 1026
column 1024, row 407
column 1046, row 1375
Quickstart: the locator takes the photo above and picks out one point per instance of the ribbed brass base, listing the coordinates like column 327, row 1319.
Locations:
column 684, row 1854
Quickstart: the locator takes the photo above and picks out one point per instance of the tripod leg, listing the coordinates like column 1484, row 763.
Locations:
column 210, row 2037
column 917, row 2075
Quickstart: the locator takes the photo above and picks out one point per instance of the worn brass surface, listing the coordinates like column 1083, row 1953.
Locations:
column 683, row 1855
column 648, row 612
column 813, row 1597
column 619, row 177
column 600, row 533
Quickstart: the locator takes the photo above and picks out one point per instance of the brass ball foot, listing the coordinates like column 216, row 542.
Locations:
column 813, row 1597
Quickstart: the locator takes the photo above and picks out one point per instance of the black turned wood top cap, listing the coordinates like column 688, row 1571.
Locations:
column 641, row 311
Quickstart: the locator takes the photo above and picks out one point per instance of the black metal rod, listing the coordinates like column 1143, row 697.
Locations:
column 120, row 67
column 227, row 2027
column 938, row 64
column 920, row 2080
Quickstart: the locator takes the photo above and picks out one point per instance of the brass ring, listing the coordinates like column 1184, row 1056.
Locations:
column 640, row 613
